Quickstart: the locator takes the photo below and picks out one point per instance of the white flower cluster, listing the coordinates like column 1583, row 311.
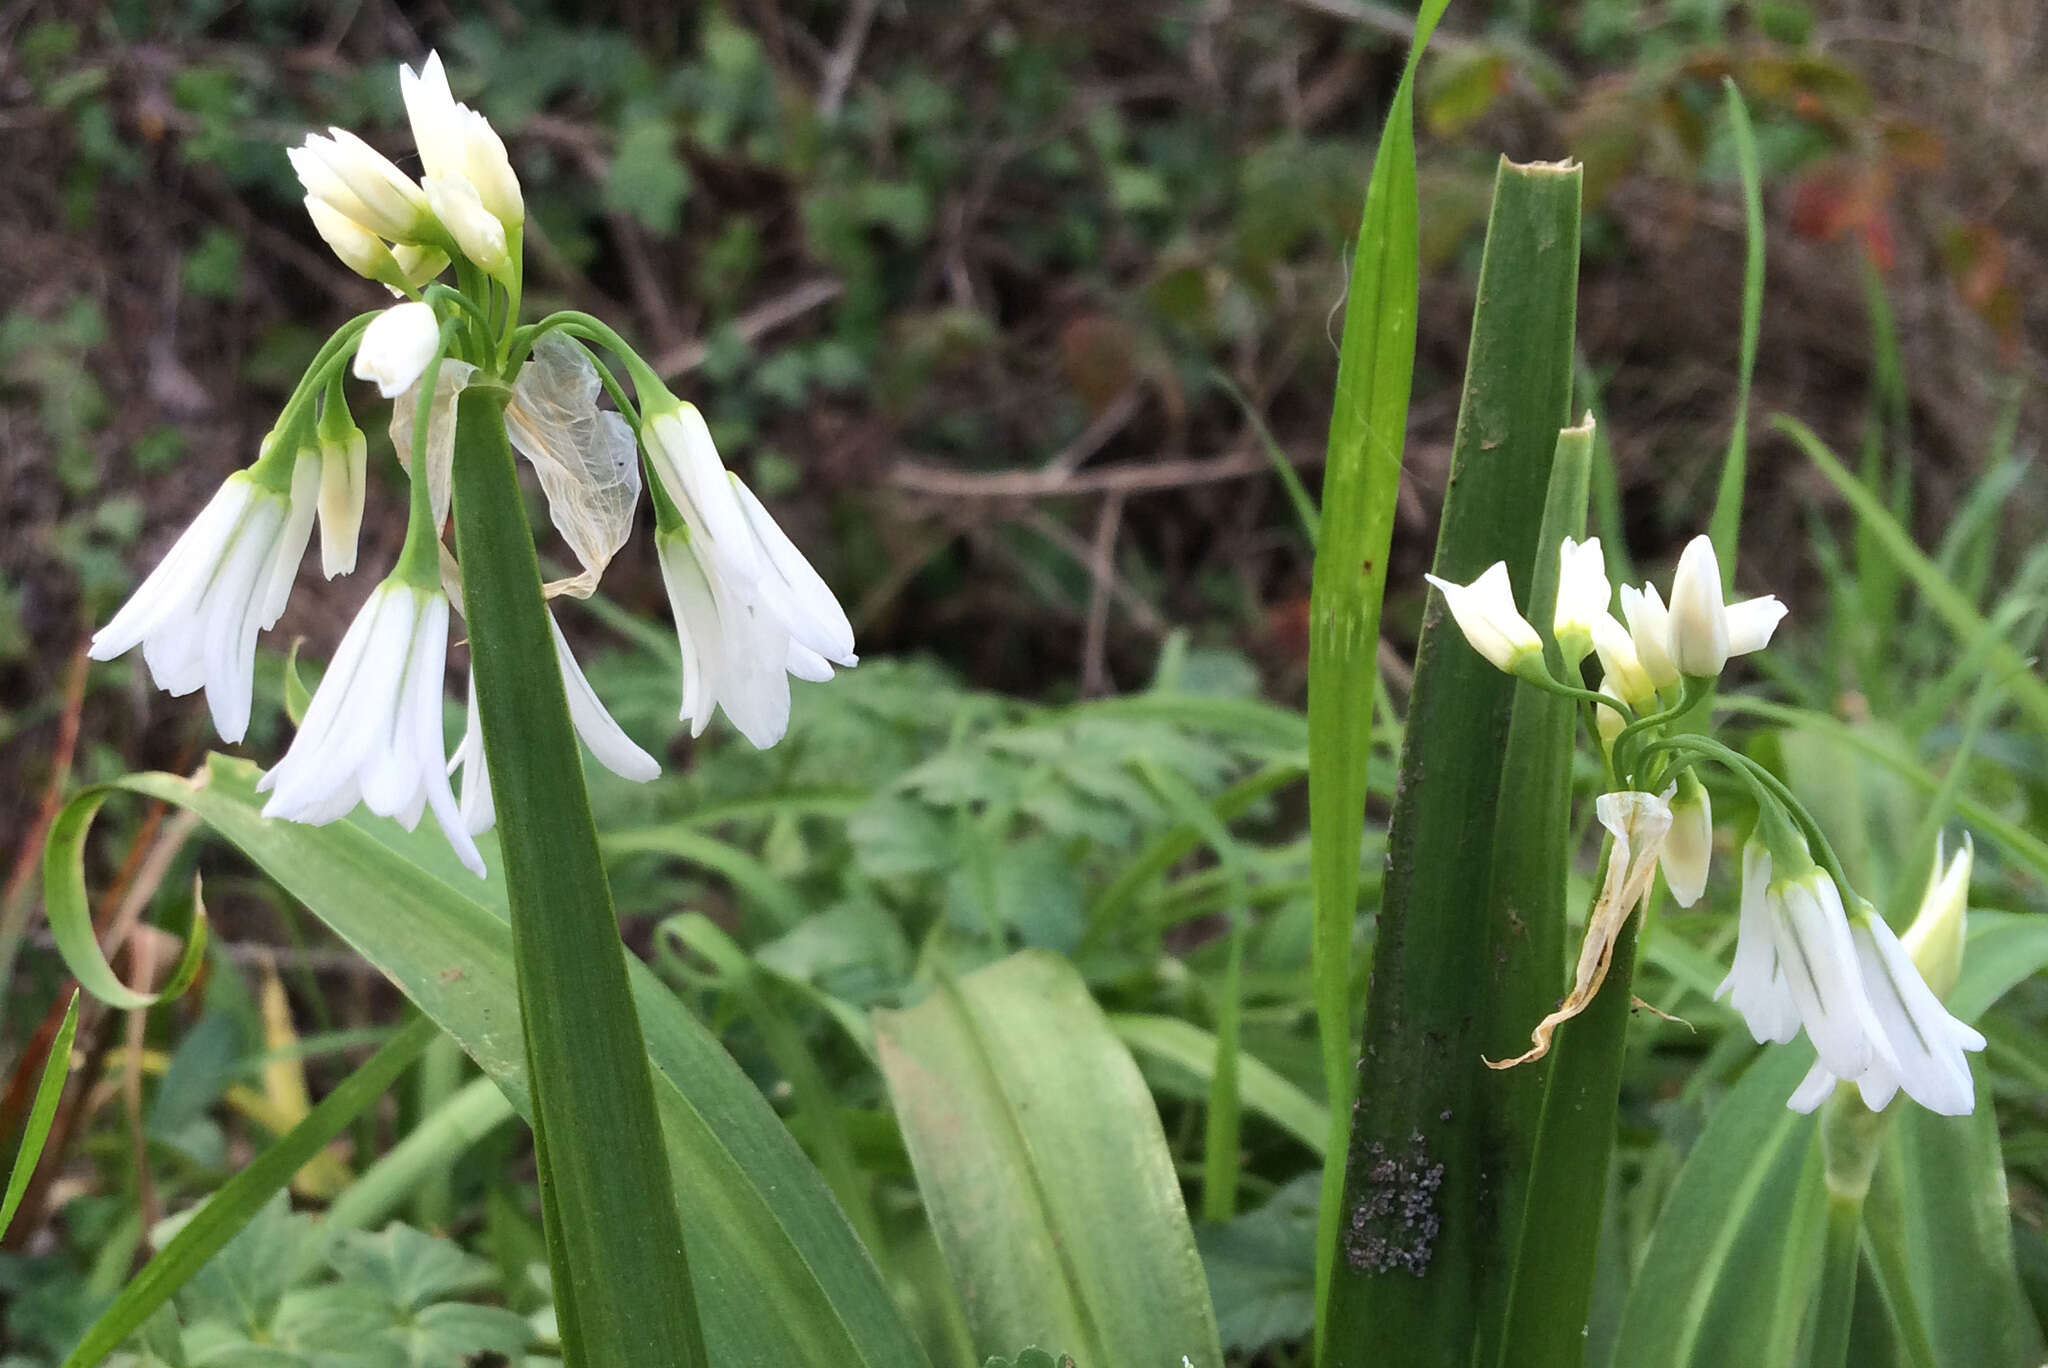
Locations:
column 749, row 608
column 1802, row 959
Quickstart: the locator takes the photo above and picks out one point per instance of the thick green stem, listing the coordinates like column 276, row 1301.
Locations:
column 615, row 1241
column 1835, row 1310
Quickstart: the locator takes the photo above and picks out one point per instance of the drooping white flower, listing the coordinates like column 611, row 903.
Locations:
column 685, row 460
column 225, row 579
column 1689, row 846
column 1582, row 596
column 1925, row 1045
column 754, row 605
column 1755, row 985
column 1818, row 954
column 475, row 229
column 344, row 469
column 1906, row 978
column 1649, row 628
column 372, row 733
column 1619, row 665
column 607, row 741
column 735, row 654
column 1485, row 612
column 361, row 250
column 1704, row 629
column 361, row 184
column 397, row 347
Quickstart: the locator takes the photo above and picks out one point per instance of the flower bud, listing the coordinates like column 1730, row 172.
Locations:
column 1699, row 619
column 1607, row 721
column 418, row 264
column 361, row 184
column 344, row 456
column 1485, row 612
column 1690, row 844
column 475, row 229
column 361, row 250
column 1935, row 939
column 1618, row 664
column 1582, row 596
column 490, row 171
column 1649, row 629
column 397, row 347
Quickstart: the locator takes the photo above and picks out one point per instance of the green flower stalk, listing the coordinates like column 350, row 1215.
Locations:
column 469, row 384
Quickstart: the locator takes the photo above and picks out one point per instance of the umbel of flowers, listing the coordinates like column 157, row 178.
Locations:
column 749, row 609
column 1810, row 954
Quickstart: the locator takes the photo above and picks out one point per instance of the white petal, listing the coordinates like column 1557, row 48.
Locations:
column 612, row 747
column 397, row 347
column 426, row 743
column 1649, row 627
column 479, row 809
column 696, row 479
column 1751, row 622
column 752, row 681
column 1819, row 959
column 1817, row 1087
column 1689, row 848
column 1919, row 1029
column 173, row 586
column 811, row 612
column 391, row 772
column 289, row 548
column 1755, row 985
column 430, row 108
column 233, row 606
column 698, row 631
column 806, row 663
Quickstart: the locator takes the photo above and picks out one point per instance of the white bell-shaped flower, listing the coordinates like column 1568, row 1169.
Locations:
column 685, row 460
column 397, row 347
column 1582, row 597
column 1817, row 952
column 372, row 733
column 226, row 578
column 1485, row 612
column 1756, row 986
column 607, row 741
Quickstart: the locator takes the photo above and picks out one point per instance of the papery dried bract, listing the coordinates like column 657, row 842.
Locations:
column 1638, row 822
column 454, row 378
column 585, row 457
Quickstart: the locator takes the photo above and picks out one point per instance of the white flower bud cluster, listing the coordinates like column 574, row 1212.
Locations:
column 384, row 225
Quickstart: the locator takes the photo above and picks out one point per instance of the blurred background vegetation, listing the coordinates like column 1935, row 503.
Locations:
column 995, row 303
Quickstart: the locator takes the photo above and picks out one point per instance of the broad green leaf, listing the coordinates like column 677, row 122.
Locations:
column 1044, row 1170
column 1735, row 1256
column 1421, row 1265
column 781, row 1276
column 1361, row 479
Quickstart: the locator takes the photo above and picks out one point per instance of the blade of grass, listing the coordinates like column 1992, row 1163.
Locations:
column 1361, row 480
column 230, row 1208
column 1725, row 526
column 1948, row 602
column 1263, row 1090
column 424, row 1157
column 40, row 1113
